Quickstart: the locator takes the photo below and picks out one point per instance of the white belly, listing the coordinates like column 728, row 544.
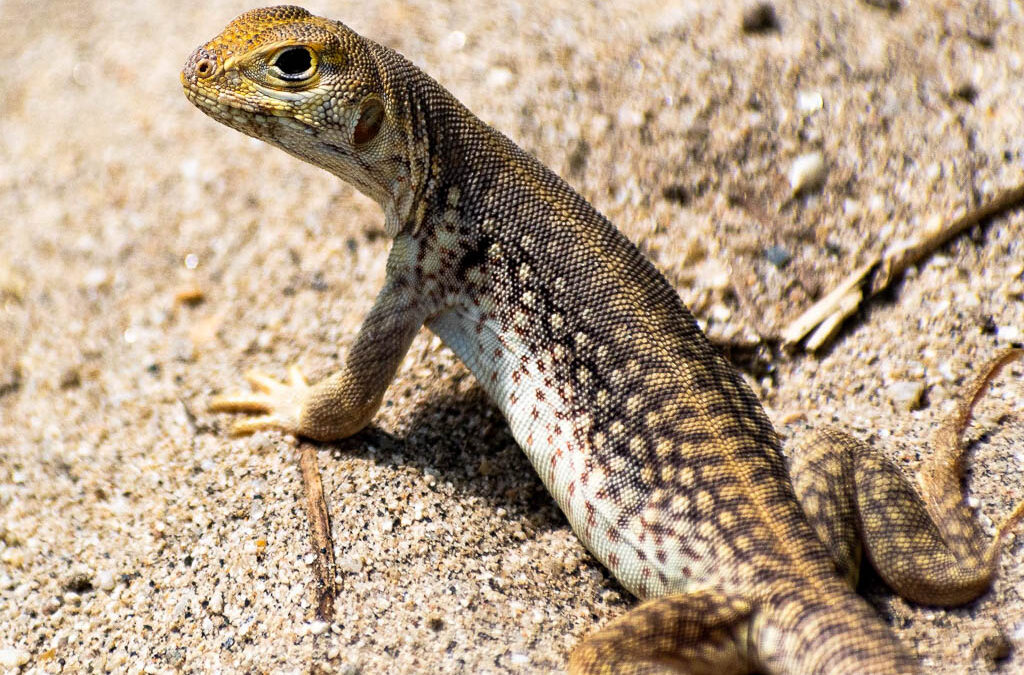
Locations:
column 554, row 434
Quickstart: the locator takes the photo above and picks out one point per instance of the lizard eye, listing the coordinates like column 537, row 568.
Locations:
column 294, row 64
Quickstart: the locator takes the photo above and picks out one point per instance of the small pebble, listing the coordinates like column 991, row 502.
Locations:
column 14, row 557
column 906, row 395
column 12, row 657
column 1008, row 333
column 350, row 565
column 499, row 78
column 760, row 18
column 991, row 647
column 965, row 91
column 807, row 172
column 217, row 603
column 1018, row 632
column 808, row 102
column 891, row 5
column 318, row 627
column 96, row 278
column 454, row 41
column 777, row 256
column 79, row 582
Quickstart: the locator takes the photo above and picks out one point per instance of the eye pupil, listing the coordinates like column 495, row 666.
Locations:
column 294, row 62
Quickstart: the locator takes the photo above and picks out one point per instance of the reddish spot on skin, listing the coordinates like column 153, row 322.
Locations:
column 557, row 430
column 661, row 556
column 540, row 395
column 529, row 439
column 613, row 535
column 645, row 572
column 497, row 352
column 613, row 560
column 640, row 553
column 512, row 398
column 572, row 488
column 494, row 377
column 535, row 413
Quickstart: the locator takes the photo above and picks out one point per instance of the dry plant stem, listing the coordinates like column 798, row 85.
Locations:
column 827, row 314
column 320, row 531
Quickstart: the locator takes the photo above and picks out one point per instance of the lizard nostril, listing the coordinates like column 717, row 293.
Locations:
column 205, row 68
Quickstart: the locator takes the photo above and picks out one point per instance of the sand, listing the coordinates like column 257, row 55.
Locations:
column 149, row 256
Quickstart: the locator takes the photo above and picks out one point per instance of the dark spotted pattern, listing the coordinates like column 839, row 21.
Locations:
column 653, row 445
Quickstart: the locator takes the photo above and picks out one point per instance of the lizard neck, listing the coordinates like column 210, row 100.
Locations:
column 439, row 134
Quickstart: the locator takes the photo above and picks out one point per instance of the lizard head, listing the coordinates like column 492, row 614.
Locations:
column 308, row 85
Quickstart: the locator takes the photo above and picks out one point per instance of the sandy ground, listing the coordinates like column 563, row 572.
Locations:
column 135, row 534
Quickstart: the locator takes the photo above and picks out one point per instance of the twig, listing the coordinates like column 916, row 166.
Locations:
column 320, row 531
column 827, row 314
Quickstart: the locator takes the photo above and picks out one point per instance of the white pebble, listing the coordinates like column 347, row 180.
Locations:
column 189, row 169
column 1008, row 334
column 217, row 603
column 14, row 557
column 807, row 172
column 905, row 395
column 631, row 117
column 318, row 627
column 499, row 78
column 96, row 277
column 12, row 657
column 350, row 565
column 106, row 580
column 454, row 41
column 809, row 101
column 1018, row 632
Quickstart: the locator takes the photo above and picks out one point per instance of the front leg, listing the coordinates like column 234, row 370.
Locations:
column 345, row 402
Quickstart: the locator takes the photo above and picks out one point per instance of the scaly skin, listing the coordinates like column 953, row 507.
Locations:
column 651, row 443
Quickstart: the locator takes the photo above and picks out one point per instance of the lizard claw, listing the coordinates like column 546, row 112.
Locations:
column 280, row 402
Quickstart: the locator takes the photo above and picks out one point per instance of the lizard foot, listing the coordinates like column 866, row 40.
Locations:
column 279, row 402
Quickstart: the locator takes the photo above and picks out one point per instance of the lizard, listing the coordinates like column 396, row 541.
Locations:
column 652, row 444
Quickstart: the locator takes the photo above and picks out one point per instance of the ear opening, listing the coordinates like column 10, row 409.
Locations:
column 371, row 118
